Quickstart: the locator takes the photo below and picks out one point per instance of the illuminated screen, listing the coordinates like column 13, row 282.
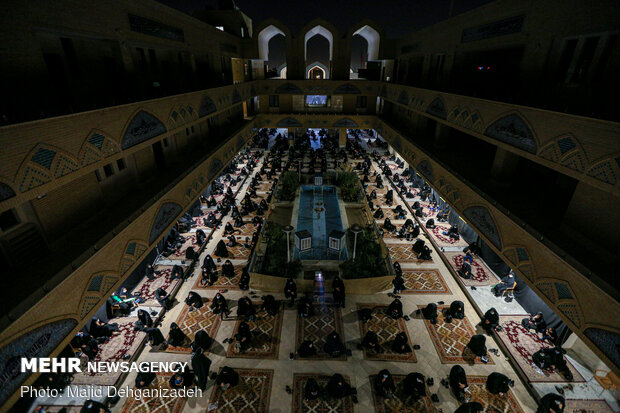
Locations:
column 316, row 101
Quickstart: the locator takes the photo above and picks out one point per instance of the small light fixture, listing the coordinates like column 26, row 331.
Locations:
column 42, row 196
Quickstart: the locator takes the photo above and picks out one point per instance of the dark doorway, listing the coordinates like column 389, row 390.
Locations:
column 160, row 159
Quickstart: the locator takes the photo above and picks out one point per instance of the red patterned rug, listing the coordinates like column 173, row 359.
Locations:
column 326, row 320
column 397, row 404
column 190, row 241
column 148, row 287
column 301, row 405
column 481, row 274
column 444, row 240
column 587, row 406
column 386, row 329
column 223, row 282
column 426, row 208
column 424, row 282
column 125, row 341
column 521, row 345
column 156, row 404
column 192, row 322
column 450, row 339
column 491, row 402
column 249, row 396
column 265, row 336
column 403, row 253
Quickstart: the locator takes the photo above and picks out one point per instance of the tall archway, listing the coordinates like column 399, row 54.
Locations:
column 365, row 42
column 272, row 48
column 317, row 70
column 318, row 51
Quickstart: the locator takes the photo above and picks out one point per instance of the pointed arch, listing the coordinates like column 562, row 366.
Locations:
column 142, row 127
column 43, row 164
column 513, row 129
column 372, row 32
column 483, row 220
column 318, row 65
column 166, row 214
column 321, row 27
column 97, row 146
column 266, row 31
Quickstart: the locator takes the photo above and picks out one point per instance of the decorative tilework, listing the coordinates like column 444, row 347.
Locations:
column 289, row 122
column 566, row 144
column 6, row 191
column 142, row 127
column 604, row 171
column 207, row 106
column 95, row 283
column 481, row 218
column 165, row 216
column 345, row 123
column 550, row 152
column 131, row 247
column 547, row 289
column 89, row 302
column 108, row 283
column 347, row 89
column 563, row 291
column 607, row 341
column 522, row 254
column 437, row 108
column 96, row 139
column 44, row 157
column 572, row 312
column 574, row 161
column 289, row 88
column 33, row 178
column 64, row 166
column 513, row 130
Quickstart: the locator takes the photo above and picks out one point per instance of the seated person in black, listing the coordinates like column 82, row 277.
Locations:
column 305, row 307
column 194, row 300
column 552, row 359
column 219, row 304
column 176, row 336
column 507, row 283
column 228, row 269
column 244, row 279
column 232, row 241
column 182, row 379
column 202, row 341
column 155, row 337
column 144, row 320
column 149, row 272
column 246, row 309
column 471, row 407
column 497, row 383
column 221, row 250
column 456, row 310
column 388, row 226
column 334, row 345
column 490, row 320
column 430, row 223
column 458, row 382
column 311, row 389
column 535, row 323
column 244, row 336
column 86, row 344
column 395, row 309
column 418, row 246
column 477, row 345
column 453, row 232
column 208, row 277
column 397, row 268
column 378, row 214
column 227, row 378
column 228, row 229
column 399, row 283
column 430, row 312
column 384, row 384
column 163, row 298
column 200, row 237
column 270, row 305
column 465, row 271
column 401, row 343
column 208, row 263
column 551, row 403
column 307, row 349
column 414, row 387
column 425, row 255
column 550, row 336
column 99, row 329
column 144, row 379
column 337, row 388
column 371, row 342
column 92, row 406
column 176, row 273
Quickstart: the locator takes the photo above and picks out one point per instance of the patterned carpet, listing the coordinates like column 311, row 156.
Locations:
column 403, row 253
column 424, row 282
column 236, row 253
column 444, row 240
column 521, row 344
column 155, row 404
column 251, row 395
column 265, row 336
column 396, row 404
column 427, row 210
column 125, row 341
column 388, row 212
column 193, row 321
column 587, row 406
column 316, row 328
column 386, row 328
column 190, row 241
column 300, row 405
column 246, row 230
column 481, row 274
column 491, row 402
column 450, row 339
column 223, row 282
column 148, row 287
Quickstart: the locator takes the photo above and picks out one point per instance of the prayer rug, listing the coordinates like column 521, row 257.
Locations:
column 301, row 405
column 190, row 241
column 316, row 328
column 247, row 230
column 450, row 339
column 147, row 287
column 491, row 402
column 587, row 406
column 444, row 240
column 222, row 281
column 238, row 252
column 386, row 329
column 265, row 336
column 388, row 212
column 521, row 344
column 424, row 282
column 251, row 395
column 426, row 208
column 403, row 253
column 155, row 404
column 192, row 322
column 481, row 274
column 125, row 341
column 398, row 403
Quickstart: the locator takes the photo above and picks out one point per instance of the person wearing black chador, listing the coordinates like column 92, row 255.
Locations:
column 458, row 382
column 414, row 387
column 176, row 337
column 477, row 345
column 371, row 342
column 227, row 378
column 497, row 383
column 290, row 291
column 228, row 269
column 201, row 366
column 221, row 250
column 339, row 291
column 311, row 389
column 270, row 305
column 245, row 308
column 337, row 387
column 334, row 345
column 395, row 309
column 194, row 300
column 551, row 403
column 307, row 349
column 471, row 407
column 430, row 312
column 456, row 310
column 384, row 384
column 400, row 343
column 144, row 318
column 209, row 264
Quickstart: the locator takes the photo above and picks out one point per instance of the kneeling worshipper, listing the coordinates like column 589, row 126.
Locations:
column 378, row 214
column 144, row 320
column 458, row 382
column 477, row 345
column 338, row 291
column 246, row 309
column 305, row 307
column 155, row 337
column 337, row 388
column 471, row 407
column 399, row 283
column 307, row 349
column 384, row 384
column 201, row 365
column 99, row 329
column 401, row 343
column 429, row 312
column 200, row 237
column 86, row 344
column 498, row 383
column 244, row 279
column 163, row 298
column 219, row 305
column 311, row 389
column 208, row 277
column 92, row 406
column 228, row 229
column 176, row 273
column 425, row 255
column 227, row 378
column 371, row 342
column 430, row 223
column 270, row 305
column 202, row 341
column 535, row 323
column 149, row 272
column 490, row 320
column 176, row 336
column 395, row 309
column 144, row 379
column 220, row 249
column 334, row 345
column 181, row 379
column 193, row 300
column 414, row 387
column 208, row 263
column 243, row 336
column 388, row 226
column 228, row 269
column 507, row 283
column 552, row 359
column 551, row 403
column 465, row 271
column 456, row 310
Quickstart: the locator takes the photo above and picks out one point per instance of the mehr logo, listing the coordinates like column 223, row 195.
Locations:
column 50, row 365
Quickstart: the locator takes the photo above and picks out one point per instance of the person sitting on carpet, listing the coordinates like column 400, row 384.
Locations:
column 490, row 320
column 477, row 345
column 201, row 237
column 219, row 305
column 307, row 349
column 507, row 283
column 425, row 255
column 401, row 343
column 176, row 273
column 400, row 212
column 430, row 223
column 155, row 337
column 232, row 241
column 498, row 383
column 371, row 342
column 270, row 305
column 397, row 268
column 86, row 343
column 311, row 389
column 418, row 246
column 176, row 336
column 202, row 341
column 227, row 378
column 384, row 384
column 458, row 382
column 92, row 406
column 378, row 214
column 99, row 329
column 399, row 283
column 395, row 309
column 208, row 263
column 246, row 309
column 221, row 250
column 244, row 336
column 534, row 323
column 389, row 197
column 181, row 379
column 228, row 269
column 305, row 307
column 244, row 279
column 414, row 387
column 388, row 226
column 163, row 298
column 201, row 365
column 551, row 403
column 338, row 388
column 144, row 379
column 208, row 277
column 334, row 345
column 453, row 233
column 552, row 359
column 471, row 407
column 144, row 320
column 429, row 312
column 193, row 300
column 456, row 310
column 228, row 229
column 465, row 271
column 550, row 336
column 149, row 272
